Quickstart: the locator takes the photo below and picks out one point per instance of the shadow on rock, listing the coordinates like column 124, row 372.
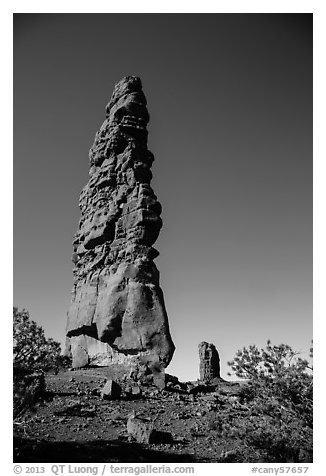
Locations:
column 27, row 450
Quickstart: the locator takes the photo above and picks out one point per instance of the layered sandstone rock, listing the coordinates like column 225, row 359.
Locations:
column 117, row 313
column 209, row 362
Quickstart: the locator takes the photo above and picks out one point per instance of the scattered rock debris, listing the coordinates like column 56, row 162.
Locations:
column 140, row 424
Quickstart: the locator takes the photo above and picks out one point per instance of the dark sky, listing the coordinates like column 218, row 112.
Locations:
column 230, row 98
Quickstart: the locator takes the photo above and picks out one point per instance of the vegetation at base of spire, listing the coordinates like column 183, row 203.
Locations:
column 33, row 355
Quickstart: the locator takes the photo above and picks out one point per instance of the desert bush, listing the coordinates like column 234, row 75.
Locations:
column 272, row 419
column 33, row 355
column 29, row 388
column 32, row 350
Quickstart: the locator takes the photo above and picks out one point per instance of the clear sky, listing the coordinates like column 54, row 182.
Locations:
column 230, row 99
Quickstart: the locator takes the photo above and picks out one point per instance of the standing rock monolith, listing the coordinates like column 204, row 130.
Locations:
column 117, row 314
column 209, row 362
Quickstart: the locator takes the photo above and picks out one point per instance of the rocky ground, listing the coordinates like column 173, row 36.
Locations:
column 75, row 424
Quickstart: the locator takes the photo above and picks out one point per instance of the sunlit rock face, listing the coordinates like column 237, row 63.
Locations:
column 117, row 313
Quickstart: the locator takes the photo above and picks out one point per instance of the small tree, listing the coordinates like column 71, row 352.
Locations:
column 273, row 418
column 32, row 350
column 33, row 355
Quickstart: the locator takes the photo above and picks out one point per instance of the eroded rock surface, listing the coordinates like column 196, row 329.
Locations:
column 117, row 313
column 209, row 362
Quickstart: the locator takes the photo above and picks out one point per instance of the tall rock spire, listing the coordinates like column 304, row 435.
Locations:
column 117, row 313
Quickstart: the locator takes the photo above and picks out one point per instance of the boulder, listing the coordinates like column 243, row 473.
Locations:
column 133, row 392
column 111, row 390
column 144, row 431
